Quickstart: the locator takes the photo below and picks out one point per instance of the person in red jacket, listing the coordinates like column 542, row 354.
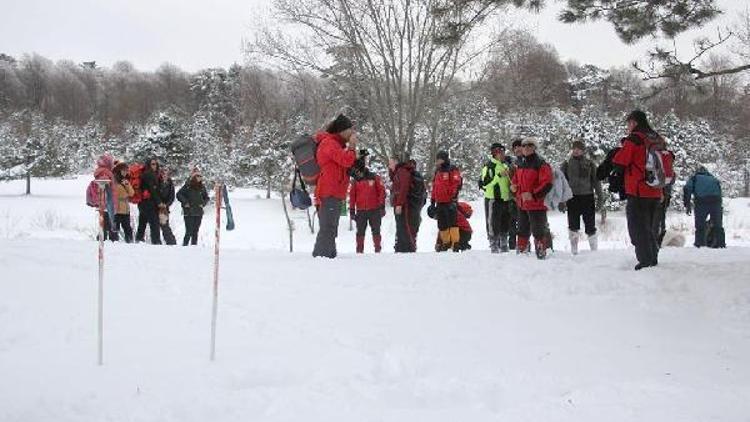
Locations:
column 446, row 184
column 643, row 199
column 335, row 155
column 407, row 198
column 531, row 182
column 367, row 205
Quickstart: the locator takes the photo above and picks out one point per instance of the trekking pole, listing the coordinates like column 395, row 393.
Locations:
column 102, row 184
column 216, row 271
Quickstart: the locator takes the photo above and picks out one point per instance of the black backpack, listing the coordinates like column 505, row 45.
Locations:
column 417, row 190
column 615, row 176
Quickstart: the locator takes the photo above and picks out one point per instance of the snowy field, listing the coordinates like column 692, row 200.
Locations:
column 425, row 337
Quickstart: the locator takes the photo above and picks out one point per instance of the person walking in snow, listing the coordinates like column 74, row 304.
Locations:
column 148, row 208
column 167, row 195
column 642, row 198
column 103, row 171
column 446, row 184
column 335, row 155
column 531, row 182
column 580, row 173
column 366, row 203
column 407, row 199
column 193, row 197
column 122, row 194
column 705, row 190
column 495, row 183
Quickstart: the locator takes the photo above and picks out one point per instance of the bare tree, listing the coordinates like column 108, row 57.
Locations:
column 394, row 56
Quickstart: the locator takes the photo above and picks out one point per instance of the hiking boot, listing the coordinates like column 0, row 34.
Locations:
column 593, row 242
column 523, row 246
column 376, row 240
column 639, row 266
column 573, row 236
column 360, row 244
column 541, row 249
column 494, row 245
column 503, row 243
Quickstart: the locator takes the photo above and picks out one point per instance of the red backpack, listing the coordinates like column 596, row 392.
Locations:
column 134, row 176
column 92, row 194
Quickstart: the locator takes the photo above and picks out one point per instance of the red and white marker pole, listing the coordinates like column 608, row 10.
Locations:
column 102, row 184
column 216, row 271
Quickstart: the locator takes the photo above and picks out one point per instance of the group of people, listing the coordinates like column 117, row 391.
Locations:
column 149, row 186
column 518, row 191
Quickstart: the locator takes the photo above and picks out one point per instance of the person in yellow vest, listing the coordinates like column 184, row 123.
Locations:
column 495, row 182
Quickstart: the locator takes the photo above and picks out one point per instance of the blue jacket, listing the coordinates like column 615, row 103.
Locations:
column 704, row 186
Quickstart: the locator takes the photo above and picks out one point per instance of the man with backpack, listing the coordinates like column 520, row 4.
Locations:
column 644, row 178
column 705, row 190
column 150, row 201
column 446, row 184
column 408, row 196
column 532, row 181
column 581, row 175
column 366, row 203
column 495, row 182
column 335, row 154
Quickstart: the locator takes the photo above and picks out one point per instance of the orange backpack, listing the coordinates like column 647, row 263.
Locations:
column 134, row 176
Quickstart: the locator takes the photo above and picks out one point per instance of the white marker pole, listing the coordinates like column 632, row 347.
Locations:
column 102, row 199
column 216, row 271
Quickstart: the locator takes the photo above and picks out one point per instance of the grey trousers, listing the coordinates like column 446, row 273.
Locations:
column 328, row 222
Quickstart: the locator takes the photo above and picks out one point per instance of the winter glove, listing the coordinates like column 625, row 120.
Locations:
column 382, row 211
column 688, row 211
column 562, row 207
column 352, row 213
column 431, row 210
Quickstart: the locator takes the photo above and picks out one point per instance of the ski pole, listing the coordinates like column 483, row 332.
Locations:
column 100, row 317
column 216, row 271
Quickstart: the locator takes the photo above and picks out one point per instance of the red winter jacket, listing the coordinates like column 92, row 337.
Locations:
column 334, row 161
column 533, row 175
column 632, row 157
column 400, row 184
column 445, row 184
column 367, row 193
column 462, row 217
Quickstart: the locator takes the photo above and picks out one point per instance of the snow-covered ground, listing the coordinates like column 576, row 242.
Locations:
column 423, row 337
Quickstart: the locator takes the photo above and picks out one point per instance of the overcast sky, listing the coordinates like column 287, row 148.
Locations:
column 197, row 34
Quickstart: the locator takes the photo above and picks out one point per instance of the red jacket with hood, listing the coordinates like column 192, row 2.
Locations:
column 334, row 160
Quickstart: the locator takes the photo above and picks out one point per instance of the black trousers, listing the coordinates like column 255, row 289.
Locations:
column 532, row 222
column 641, row 213
column 446, row 215
column 329, row 214
column 192, row 225
column 373, row 218
column 123, row 221
column 513, row 227
column 582, row 206
column 407, row 227
column 148, row 215
column 660, row 220
column 497, row 217
column 703, row 210
column 166, row 230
